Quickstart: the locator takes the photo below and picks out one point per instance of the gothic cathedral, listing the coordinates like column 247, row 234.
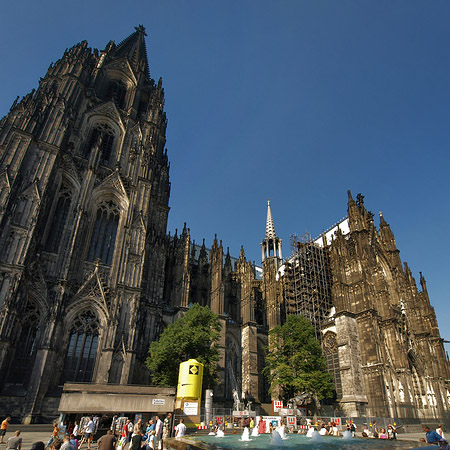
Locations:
column 89, row 276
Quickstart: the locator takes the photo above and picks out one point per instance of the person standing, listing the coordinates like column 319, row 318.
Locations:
column 88, row 433
column 67, row 445
column 166, row 428
column 180, row 429
column 124, row 435
column 54, row 435
column 76, row 430
column 440, row 431
column 107, row 442
column 15, row 442
column 158, row 432
column 130, row 430
column 151, row 440
column 168, row 424
column 3, row 428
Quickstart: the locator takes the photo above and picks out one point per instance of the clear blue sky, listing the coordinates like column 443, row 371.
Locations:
column 296, row 101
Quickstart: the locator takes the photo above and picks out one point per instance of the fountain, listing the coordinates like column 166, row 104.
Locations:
column 316, row 437
column 245, row 435
column 295, row 441
column 310, row 432
column 281, row 431
column 255, row 432
column 276, row 440
column 220, row 433
column 347, row 435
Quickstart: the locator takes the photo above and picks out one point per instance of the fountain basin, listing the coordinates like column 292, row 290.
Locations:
column 293, row 442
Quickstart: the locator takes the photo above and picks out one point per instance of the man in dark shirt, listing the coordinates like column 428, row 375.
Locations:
column 107, row 442
column 431, row 436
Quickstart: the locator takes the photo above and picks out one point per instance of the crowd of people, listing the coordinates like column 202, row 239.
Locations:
column 151, row 435
column 127, row 435
column 137, row 436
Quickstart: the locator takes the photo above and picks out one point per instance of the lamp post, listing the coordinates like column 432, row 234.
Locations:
column 208, row 406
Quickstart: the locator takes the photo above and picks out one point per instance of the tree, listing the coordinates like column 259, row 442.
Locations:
column 194, row 335
column 294, row 362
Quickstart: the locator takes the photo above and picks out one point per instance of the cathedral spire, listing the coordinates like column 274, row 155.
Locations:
column 271, row 246
column 133, row 47
column 270, row 227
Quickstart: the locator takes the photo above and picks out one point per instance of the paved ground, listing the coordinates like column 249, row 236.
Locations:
column 33, row 433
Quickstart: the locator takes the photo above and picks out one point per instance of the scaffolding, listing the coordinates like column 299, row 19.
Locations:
column 307, row 282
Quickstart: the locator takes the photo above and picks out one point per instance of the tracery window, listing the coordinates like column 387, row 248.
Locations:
column 330, row 350
column 80, row 357
column 26, row 345
column 117, row 91
column 105, row 134
column 104, row 234
column 59, row 220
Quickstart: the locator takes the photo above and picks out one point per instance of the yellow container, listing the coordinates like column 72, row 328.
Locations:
column 190, row 380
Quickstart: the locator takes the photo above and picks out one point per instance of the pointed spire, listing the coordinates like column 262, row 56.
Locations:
column 270, row 227
column 133, row 47
column 271, row 246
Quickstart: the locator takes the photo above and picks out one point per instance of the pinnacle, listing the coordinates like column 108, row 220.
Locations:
column 270, row 226
column 133, row 47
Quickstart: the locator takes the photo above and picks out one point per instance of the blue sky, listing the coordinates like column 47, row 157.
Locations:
column 289, row 100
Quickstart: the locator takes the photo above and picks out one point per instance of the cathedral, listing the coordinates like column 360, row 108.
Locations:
column 89, row 276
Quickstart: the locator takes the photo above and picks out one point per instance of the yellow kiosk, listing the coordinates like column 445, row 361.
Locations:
column 189, row 391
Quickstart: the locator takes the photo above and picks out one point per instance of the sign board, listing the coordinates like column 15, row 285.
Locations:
column 218, row 420
column 287, row 412
column 191, row 408
column 241, row 413
column 158, row 401
column 336, row 420
column 291, row 421
column 277, row 405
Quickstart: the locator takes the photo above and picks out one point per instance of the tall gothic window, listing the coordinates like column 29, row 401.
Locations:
column 25, row 346
column 105, row 134
column 330, row 350
column 59, row 220
column 117, row 92
column 104, row 234
column 80, row 357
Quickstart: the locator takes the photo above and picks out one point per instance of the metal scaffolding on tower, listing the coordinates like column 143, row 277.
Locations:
column 307, row 281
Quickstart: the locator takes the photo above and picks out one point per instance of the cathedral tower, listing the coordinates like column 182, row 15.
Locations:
column 83, row 215
column 272, row 260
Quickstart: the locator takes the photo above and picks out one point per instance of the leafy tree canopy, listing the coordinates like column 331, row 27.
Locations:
column 194, row 335
column 294, row 363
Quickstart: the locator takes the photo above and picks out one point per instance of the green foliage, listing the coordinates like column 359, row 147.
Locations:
column 194, row 335
column 294, row 362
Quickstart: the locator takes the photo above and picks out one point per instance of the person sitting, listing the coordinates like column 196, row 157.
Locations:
column 382, row 434
column 431, row 436
column 392, row 432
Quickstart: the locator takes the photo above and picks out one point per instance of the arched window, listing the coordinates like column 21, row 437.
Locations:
column 59, row 220
column 80, row 357
column 104, row 134
column 26, row 345
column 104, row 234
column 330, row 350
column 117, row 91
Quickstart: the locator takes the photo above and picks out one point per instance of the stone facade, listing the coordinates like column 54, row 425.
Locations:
column 89, row 276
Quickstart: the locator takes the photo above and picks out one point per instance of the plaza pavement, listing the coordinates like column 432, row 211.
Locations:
column 42, row 432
